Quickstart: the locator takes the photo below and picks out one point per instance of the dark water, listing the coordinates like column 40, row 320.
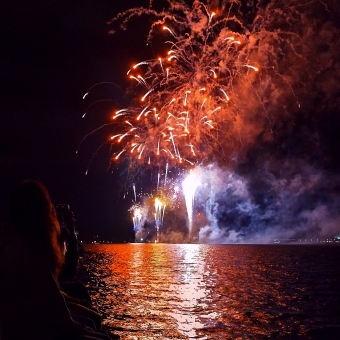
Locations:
column 163, row 291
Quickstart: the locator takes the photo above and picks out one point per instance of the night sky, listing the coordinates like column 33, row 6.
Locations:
column 52, row 52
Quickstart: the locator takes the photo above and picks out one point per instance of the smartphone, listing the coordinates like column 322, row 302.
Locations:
column 63, row 212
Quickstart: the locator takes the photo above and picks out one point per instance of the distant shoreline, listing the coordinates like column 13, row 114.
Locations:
column 283, row 242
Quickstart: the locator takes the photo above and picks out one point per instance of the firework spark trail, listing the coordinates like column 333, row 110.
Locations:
column 166, row 172
column 159, row 215
column 190, row 184
column 158, row 180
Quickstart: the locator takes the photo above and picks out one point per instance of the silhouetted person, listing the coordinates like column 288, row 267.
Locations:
column 31, row 305
column 31, row 259
column 75, row 293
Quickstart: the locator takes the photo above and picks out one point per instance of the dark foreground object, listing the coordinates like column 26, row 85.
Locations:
column 40, row 297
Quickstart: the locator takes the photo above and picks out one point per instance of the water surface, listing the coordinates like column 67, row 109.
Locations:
column 195, row 291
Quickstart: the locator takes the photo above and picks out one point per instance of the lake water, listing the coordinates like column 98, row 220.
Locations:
column 195, row 291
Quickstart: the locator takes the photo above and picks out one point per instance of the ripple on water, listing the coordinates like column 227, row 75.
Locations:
column 163, row 291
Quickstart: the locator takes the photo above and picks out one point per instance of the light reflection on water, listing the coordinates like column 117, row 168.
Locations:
column 190, row 289
column 162, row 291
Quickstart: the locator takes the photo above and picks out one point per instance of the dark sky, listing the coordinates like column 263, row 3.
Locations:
column 53, row 51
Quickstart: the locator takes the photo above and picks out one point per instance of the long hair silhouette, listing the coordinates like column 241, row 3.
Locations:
column 32, row 215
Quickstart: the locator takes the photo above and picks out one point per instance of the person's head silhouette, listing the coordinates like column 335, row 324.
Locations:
column 31, row 215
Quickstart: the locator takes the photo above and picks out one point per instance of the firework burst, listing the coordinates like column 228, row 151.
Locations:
column 188, row 97
column 139, row 216
column 209, row 92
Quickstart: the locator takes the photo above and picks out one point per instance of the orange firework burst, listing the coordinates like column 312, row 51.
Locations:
column 188, row 95
column 209, row 92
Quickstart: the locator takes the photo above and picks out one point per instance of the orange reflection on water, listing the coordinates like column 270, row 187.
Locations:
column 190, row 289
column 164, row 291
column 163, row 288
